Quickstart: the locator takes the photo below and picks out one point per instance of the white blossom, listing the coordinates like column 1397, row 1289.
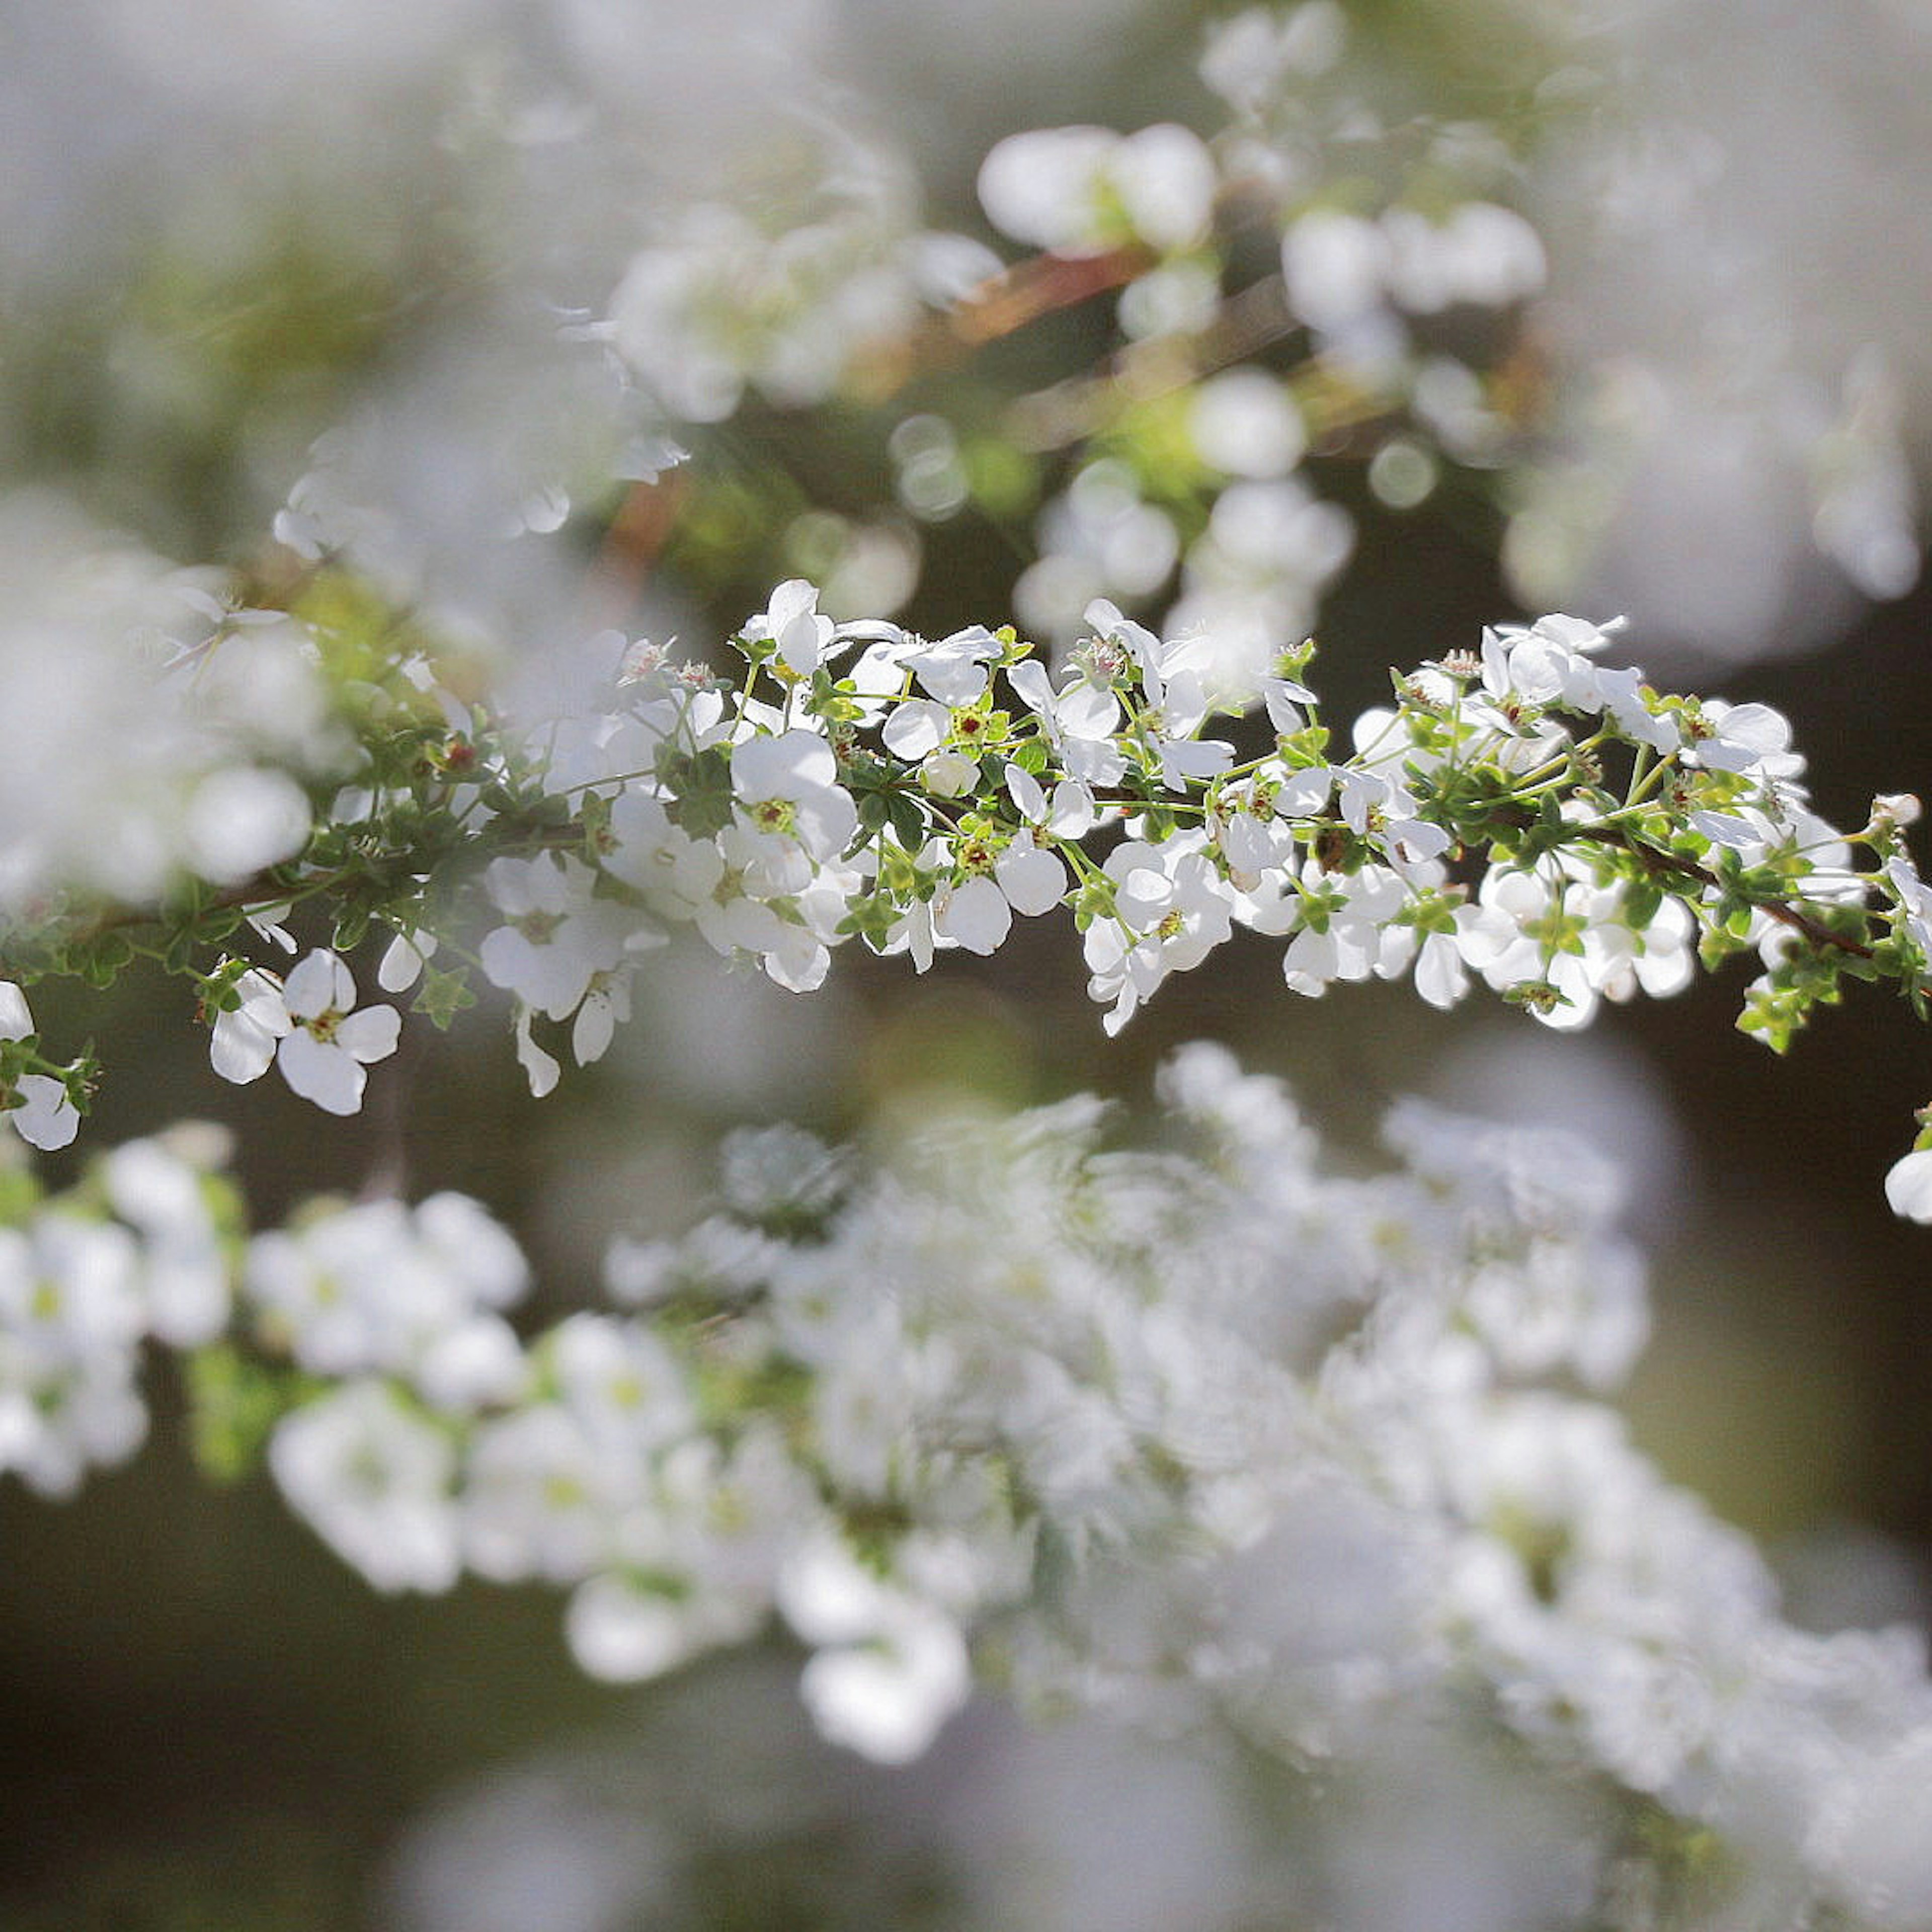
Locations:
column 329, row 1042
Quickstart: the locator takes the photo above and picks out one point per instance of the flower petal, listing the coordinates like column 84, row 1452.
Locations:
column 976, row 914
column 370, row 1033
column 1908, row 1187
column 16, row 1022
column 322, row 1073
column 1033, row 880
column 320, row 983
column 48, row 1121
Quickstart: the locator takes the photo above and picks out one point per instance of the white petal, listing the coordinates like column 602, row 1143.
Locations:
column 370, row 1033
column 887, row 1702
column 242, row 1048
column 915, row 727
column 403, row 964
column 1439, row 976
column 797, row 961
column 324, row 1074
column 1182, row 759
column 16, row 1022
column 48, row 1121
column 540, row 1068
column 622, row 1634
column 1073, row 813
column 976, row 914
column 318, row 983
column 1025, row 791
column 1086, row 710
column 827, row 1596
column 1033, row 881
column 794, row 599
column 801, row 642
column 1908, row 1187
column 1303, row 793
column 948, row 774
column 783, row 766
column 596, row 1026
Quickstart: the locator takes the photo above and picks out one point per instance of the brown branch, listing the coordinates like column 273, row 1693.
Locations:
column 1654, row 860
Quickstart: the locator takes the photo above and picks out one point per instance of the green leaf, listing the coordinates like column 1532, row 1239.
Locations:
column 442, row 995
column 1642, row 901
column 233, row 1403
column 909, row 819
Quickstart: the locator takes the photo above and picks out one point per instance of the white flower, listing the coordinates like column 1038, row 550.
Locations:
column 891, row 1669
column 792, row 623
column 1344, row 932
column 46, row 1117
column 372, row 1479
column 1546, row 662
column 559, row 937
column 1080, row 721
column 954, row 670
column 329, row 1043
column 245, row 1037
column 948, row 774
column 1172, row 909
column 161, row 1195
column 541, row 1497
column 788, row 787
column 71, row 1321
column 1176, row 699
column 1067, row 189
column 1908, row 1186
column 621, row 1383
column 381, row 1286
column 1750, row 738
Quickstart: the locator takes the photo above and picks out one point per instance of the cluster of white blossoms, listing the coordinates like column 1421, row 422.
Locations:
column 140, row 1254
column 1196, row 462
column 1528, row 815
column 1198, row 1437
column 784, row 302
column 171, row 732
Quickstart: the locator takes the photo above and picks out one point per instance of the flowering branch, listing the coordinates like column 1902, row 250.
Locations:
column 1101, row 1448
column 860, row 782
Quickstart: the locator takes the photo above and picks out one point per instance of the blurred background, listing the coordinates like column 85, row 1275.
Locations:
column 229, row 228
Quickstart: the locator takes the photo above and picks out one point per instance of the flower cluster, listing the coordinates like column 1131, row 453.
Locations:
column 1531, row 815
column 142, row 1253
column 169, row 731
column 1193, row 462
column 1202, row 1438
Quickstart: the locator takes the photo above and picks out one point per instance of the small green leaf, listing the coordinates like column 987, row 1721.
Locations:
column 442, row 995
column 233, row 1404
